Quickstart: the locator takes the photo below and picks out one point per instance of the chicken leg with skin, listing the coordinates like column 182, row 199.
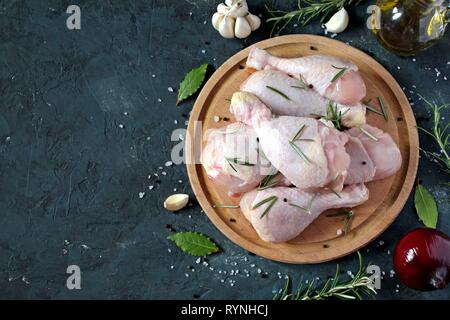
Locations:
column 297, row 99
column 305, row 151
column 231, row 159
column 320, row 71
column 292, row 210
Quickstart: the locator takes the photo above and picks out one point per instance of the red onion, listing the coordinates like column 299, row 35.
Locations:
column 422, row 259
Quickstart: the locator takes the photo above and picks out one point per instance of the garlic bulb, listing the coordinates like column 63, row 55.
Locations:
column 338, row 22
column 232, row 19
column 242, row 28
column 226, row 27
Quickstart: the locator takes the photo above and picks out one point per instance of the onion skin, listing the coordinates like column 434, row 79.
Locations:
column 422, row 259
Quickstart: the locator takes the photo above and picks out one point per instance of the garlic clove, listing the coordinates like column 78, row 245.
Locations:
column 238, row 8
column 176, row 202
column 222, row 8
column 338, row 22
column 226, row 27
column 253, row 21
column 216, row 19
column 242, row 28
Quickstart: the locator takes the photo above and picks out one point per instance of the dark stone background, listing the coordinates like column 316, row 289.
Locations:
column 71, row 176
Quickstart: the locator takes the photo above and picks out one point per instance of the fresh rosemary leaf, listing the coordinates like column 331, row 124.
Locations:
column 299, row 152
column 372, row 109
column 383, row 108
column 229, row 206
column 272, row 201
column 299, row 132
column 368, row 134
column 240, row 162
column 194, row 243
column 337, row 194
column 191, row 82
column 269, row 181
column 297, row 206
column 231, row 165
column 426, row 207
column 339, row 74
column 302, row 83
column 278, row 91
column 347, row 221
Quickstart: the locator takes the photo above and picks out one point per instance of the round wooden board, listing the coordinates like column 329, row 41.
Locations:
column 319, row 242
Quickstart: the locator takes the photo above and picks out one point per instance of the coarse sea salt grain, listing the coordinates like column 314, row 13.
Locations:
column 338, row 232
column 141, row 195
column 159, row 100
column 150, row 187
column 216, row 118
column 170, row 89
column 168, row 163
column 175, row 121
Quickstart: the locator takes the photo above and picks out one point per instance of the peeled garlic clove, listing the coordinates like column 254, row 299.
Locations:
column 216, row 19
column 176, row 202
column 222, row 8
column 239, row 8
column 226, row 27
column 253, row 21
column 338, row 22
column 242, row 28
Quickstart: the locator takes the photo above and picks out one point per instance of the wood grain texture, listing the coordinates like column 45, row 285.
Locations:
column 319, row 242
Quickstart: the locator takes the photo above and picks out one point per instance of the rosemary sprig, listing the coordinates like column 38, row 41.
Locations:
column 231, row 165
column 339, row 74
column 334, row 115
column 299, row 132
column 368, row 134
column 272, row 201
column 278, row 91
column 348, row 216
column 298, row 206
column 307, row 11
column 357, row 287
column 229, row 206
column 440, row 135
column 374, row 110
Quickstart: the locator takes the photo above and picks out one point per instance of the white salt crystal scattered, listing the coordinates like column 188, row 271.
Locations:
column 174, row 189
column 398, row 67
column 159, row 100
column 198, row 260
column 338, row 232
column 203, row 51
column 171, row 267
column 169, row 250
column 164, row 173
column 186, row 275
column 125, row 113
column 121, row 126
column 180, row 181
column 168, row 163
column 216, row 118
column 381, row 242
column 170, row 89
column 414, row 59
column 175, row 121
column 153, row 75
column 141, row 195
column 150, row 187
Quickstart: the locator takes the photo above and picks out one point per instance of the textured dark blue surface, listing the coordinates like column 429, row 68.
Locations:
column 81, row 129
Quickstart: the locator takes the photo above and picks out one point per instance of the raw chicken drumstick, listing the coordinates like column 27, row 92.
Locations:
column 292, row 210
column 305, row 151
column 231, row 159
column 285, row 95
column 331, row 77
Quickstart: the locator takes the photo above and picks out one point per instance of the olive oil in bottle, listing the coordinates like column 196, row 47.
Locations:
column 407, row 27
